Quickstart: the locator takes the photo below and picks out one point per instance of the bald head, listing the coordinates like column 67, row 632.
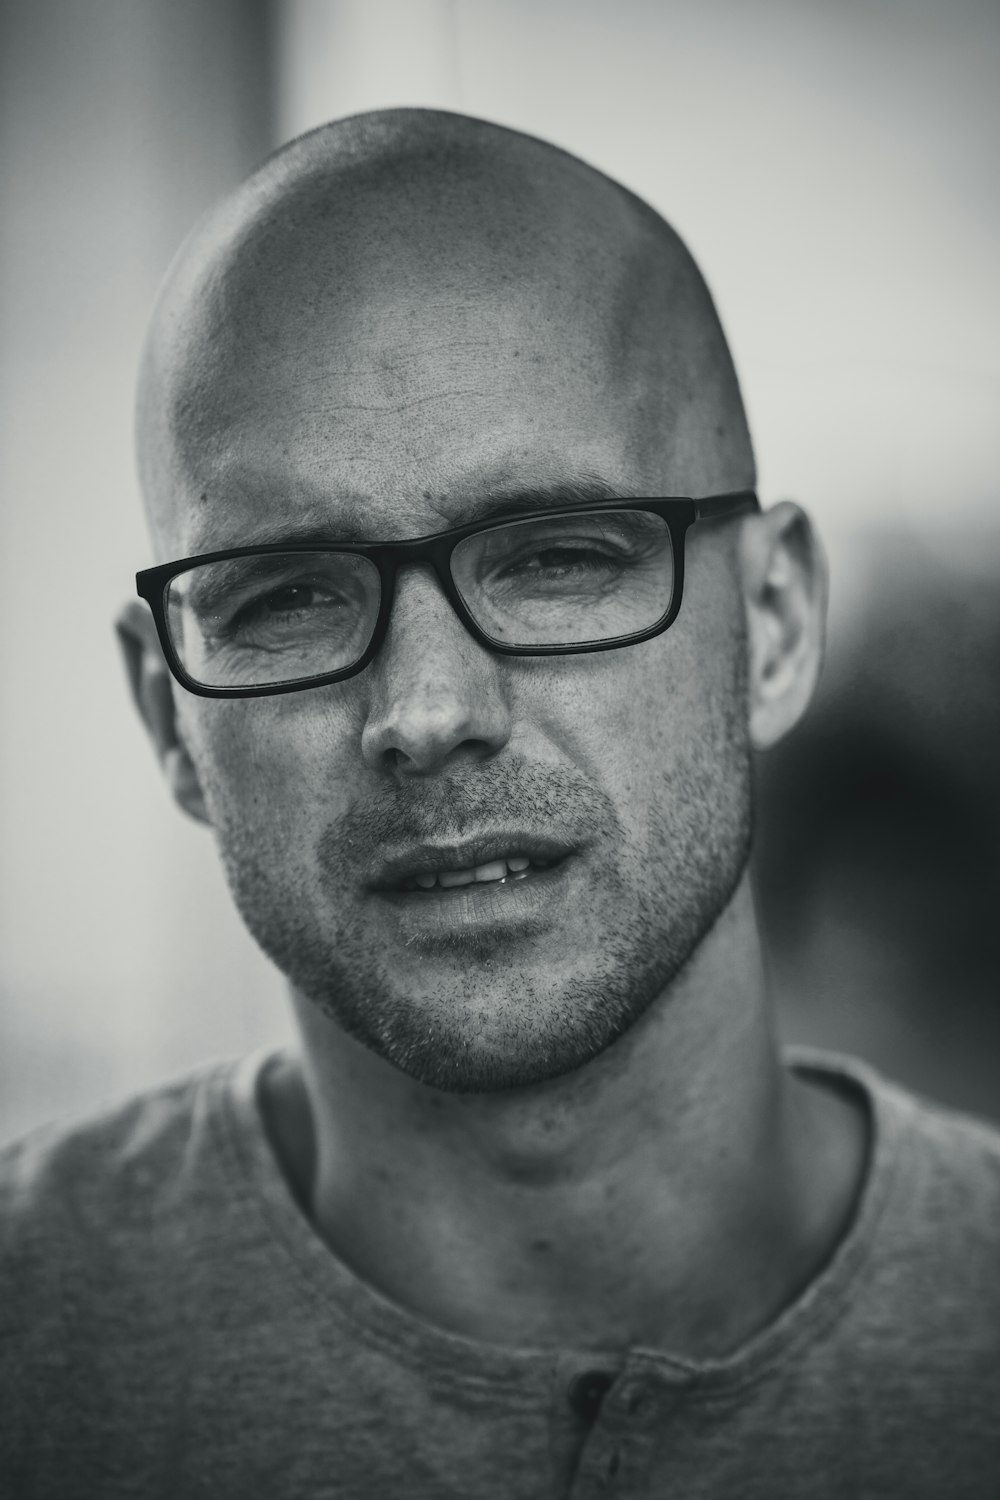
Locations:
column 400, row 324
column 406, row 304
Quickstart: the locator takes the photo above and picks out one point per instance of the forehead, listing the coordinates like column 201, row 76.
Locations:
column 405, row 415
column 383, row 366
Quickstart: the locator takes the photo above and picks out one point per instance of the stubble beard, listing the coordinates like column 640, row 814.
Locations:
column 494, row 1017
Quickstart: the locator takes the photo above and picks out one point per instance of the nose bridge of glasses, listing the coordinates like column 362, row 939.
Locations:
column 428, row 557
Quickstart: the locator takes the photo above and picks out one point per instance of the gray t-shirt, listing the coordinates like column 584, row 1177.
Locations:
column 172, row 1325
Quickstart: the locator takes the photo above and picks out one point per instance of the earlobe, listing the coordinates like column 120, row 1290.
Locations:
column 785, row 590
column 182, row 779
column 153, row 693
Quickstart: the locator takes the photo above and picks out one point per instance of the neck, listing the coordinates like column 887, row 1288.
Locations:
column 666, row 1194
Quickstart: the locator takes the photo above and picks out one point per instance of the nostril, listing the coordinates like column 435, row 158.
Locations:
column 420, row 761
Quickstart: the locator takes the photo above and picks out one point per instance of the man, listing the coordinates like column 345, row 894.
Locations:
column 537, row 1209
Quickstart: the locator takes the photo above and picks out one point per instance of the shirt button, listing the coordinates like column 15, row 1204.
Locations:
column 640, row 1406
column 587, row 1391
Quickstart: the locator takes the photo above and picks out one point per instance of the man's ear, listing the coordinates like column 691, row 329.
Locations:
column 785, row 591
column 153, row 691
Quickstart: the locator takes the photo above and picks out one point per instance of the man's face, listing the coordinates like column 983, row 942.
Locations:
column 383, row 408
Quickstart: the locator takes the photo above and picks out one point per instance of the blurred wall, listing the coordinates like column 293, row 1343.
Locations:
column 831, row 166
column 120, row 121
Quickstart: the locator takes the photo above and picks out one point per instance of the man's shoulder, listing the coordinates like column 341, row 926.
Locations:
column 952, row 1151
column 958, row 1142
column 928, row 1318
column 950, row 1147
column 103, row 1178
column 950, row 1176
column 926, row 1235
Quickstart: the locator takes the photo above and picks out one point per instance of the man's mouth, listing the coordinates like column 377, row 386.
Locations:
column 495, row 872
column 490, row 860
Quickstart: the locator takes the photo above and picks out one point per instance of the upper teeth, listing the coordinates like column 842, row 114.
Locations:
column 515, row 865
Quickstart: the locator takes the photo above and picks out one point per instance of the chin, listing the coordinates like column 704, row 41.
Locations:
column 517, row 1033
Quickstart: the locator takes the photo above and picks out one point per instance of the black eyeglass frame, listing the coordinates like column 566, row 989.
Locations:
column 679, row 511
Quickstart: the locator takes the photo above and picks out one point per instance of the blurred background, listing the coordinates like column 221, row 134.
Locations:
column 834, row 168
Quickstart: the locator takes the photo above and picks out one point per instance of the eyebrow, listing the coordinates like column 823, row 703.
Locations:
column 207, row 588
column 520, row 500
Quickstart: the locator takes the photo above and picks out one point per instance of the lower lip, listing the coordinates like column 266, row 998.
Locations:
column 484, row 904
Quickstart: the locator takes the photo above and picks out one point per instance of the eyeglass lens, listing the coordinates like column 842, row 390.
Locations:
column 258, row 621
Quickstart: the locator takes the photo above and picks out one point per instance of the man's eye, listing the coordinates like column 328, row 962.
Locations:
column 561, row 561
column 554, row 558
column 294, row 596
column 287, row 604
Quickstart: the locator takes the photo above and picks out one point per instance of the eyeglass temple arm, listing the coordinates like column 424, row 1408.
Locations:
column 715, row 507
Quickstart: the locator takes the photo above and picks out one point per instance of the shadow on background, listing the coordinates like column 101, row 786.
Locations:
column 878, row 852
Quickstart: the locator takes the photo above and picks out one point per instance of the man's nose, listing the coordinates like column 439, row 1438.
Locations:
column 435, row 694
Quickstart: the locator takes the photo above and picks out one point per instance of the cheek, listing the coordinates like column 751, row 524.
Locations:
column 269, row 767
column 627, row 710
column 659, row 722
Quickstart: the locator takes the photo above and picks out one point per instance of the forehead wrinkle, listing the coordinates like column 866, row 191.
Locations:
column 533, row 215
column 355, row 517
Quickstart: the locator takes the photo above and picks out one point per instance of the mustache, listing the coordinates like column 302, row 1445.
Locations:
column 553, row 800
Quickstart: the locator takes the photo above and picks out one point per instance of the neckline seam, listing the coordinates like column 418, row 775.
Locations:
column 455, row 1364
column 452, row 1357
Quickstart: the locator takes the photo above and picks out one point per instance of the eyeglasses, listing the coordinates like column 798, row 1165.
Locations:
column 252, row 621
